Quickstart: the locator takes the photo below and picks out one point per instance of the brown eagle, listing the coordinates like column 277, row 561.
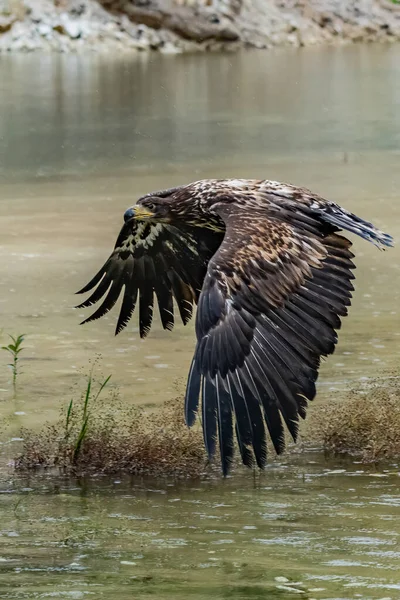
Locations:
column 271, row 278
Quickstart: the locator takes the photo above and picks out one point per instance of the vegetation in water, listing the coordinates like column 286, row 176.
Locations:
column 97, row 433
column 14, row 348
column 365, row 423
column 82, row 422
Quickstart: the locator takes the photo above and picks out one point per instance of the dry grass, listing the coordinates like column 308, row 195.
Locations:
column 365, row 423
column 100, row 434
column 117, row 439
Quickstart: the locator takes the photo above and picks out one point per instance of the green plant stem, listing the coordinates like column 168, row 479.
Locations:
column 15, row 348
column 85, row 415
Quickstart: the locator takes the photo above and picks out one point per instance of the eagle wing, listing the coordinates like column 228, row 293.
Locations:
column 152, row 258
column 269, row 308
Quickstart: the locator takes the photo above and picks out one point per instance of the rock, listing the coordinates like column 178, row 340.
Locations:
column 44, row 29
column 173, row 26
column 71, row 27
column 169, row 48
column 288, row 588
column 6, row 22
column 13, row 8
column 78, row 9
column 197, row 25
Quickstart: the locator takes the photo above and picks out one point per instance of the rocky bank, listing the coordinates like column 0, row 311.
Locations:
column 191, row 25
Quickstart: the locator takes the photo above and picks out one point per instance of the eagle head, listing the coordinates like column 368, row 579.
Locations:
column 182, row 205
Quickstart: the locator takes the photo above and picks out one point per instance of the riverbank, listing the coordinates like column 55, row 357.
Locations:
column 174, row 26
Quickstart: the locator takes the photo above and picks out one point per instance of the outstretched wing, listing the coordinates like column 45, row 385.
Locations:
column 152, row 258
column 269, row 307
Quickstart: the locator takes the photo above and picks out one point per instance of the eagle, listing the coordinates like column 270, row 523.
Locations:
column 271, row 278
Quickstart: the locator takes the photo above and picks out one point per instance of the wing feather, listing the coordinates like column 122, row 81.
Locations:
column 108, row 302
column 93, row 282
column 225, row 424
column 209, row 413
column 243, row 426
column 152, row 260
column 128, row 302
column 268, row 311
column 99, row 292
column 146, row 305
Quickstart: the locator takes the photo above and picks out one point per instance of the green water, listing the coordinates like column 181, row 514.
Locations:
column 305, row 528
column 80, row 139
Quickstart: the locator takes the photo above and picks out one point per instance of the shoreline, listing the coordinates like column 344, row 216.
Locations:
column 178, row 26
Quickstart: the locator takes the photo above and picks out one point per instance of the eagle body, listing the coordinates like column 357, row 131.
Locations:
column 271, row 277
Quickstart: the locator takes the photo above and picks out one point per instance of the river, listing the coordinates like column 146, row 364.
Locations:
column 81, row 137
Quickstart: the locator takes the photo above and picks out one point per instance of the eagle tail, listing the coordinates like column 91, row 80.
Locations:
column 337, row 216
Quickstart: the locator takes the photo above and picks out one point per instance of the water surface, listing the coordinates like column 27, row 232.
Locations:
column 302, row 529
column 80, row 139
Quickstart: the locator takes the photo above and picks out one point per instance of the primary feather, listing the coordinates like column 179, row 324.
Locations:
column 271, row 277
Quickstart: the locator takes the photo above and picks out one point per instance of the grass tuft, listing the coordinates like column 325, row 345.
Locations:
column 365, row 423
column 99, row 434
column 82, row 432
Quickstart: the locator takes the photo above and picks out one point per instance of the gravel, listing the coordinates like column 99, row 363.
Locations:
column 173, row 26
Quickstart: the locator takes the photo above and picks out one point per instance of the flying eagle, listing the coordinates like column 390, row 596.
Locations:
column 271, row 278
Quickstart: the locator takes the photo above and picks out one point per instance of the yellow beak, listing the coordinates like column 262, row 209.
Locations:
column 138, row 213
column 141, row 212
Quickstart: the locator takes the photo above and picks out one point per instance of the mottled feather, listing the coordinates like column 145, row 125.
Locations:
column 272, row 279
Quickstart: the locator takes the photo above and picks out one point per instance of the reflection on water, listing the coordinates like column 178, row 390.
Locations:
column 80, row 139
column 80, row 115
column 303, row 528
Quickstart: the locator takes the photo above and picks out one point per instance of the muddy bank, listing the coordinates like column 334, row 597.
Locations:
column 189, row 25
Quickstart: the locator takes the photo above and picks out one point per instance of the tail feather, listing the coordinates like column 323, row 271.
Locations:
column 337, row 216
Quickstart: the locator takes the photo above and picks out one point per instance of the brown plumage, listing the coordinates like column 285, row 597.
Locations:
column 271, row 277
